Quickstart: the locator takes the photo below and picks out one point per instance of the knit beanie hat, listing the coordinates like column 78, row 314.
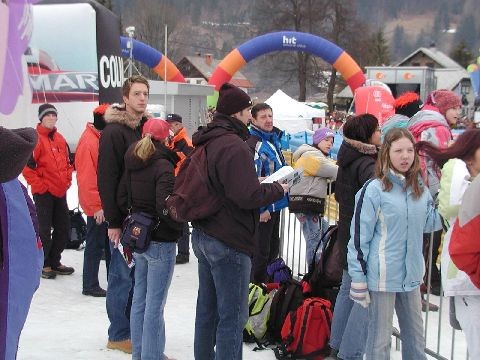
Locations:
column 443, row 99
column 174, row 118
column 407, row 104
column 232, row 99
column 16, row 148
column 157, row 128
column 322, row 133
column 98, row 116
column 45, row 109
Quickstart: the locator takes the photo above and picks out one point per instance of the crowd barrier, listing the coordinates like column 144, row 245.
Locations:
column 442, row 341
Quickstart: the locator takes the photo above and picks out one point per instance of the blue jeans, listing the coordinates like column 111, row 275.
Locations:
column 349, row 324
column 153, row 275
column 313, row 227
column 380, row 316
column 95, row 244
column 119, row 296
column 222, row 302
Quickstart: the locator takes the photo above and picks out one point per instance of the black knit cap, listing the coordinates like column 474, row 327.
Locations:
column 232, row 99
column 174, row 118
column 16, row 148
column 45, row 109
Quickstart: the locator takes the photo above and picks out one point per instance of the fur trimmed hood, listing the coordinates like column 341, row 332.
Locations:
column 117, row 113
column 368, row 149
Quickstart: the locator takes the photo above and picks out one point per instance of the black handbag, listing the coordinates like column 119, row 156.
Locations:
column 137, row 231
column 137, row 227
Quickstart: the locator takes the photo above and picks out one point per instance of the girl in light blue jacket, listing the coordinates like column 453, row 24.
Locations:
column 385, row 259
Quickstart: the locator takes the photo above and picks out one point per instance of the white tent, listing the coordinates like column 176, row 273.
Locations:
column 290, row 115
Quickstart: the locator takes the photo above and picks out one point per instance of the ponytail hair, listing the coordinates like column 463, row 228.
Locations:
column 144, row 149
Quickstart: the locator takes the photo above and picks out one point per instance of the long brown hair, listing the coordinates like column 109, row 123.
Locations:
column 384, row 164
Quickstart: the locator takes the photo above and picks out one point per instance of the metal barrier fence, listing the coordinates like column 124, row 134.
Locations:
column 443, row 342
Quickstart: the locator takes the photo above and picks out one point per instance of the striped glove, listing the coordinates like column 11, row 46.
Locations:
column 359, row 293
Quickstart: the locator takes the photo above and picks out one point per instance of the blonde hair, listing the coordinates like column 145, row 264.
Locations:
column 384, row 164
column 144, row 149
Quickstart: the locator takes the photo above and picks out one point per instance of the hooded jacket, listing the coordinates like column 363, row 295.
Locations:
column 86, row 163
column 233, row 175
column 151, row 182
column 430, row 125
column 121, row 131
column 268, row 158
column 356, row 164
column 386, row 245
column 308, row 196
column 465, row 247
column 49, row 168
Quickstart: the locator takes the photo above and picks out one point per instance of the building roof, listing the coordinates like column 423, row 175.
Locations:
column 450, row 78
column 206, row 68
column 436, row 55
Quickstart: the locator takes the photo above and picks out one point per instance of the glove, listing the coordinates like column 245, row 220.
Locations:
column 359, row 294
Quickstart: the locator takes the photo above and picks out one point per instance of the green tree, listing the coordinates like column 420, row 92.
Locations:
column 462, row 54
column 379, row 50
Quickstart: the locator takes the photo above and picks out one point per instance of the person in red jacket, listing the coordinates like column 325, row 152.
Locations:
column 86, row 162
column 182, row 145
column 49, row 173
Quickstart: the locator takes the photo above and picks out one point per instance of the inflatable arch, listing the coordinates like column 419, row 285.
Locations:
column 286, row 40
column 153, row 58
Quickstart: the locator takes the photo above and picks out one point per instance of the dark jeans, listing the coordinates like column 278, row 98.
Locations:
column 437, row 239
column 184, row 240
column 94, row 247
column 268, row 247
column 52, row 212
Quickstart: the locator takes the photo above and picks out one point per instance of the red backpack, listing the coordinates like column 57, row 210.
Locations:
column 306, row 331
column 194, row 197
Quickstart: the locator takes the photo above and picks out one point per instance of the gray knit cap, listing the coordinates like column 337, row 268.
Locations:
column 16, row 147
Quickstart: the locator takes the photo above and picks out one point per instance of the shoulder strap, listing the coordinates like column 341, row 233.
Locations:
column 356, row 238
column 129, row 191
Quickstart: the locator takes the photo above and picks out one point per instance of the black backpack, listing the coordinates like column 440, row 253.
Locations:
column 325, row 276
column 78, row 229
column 288, row 298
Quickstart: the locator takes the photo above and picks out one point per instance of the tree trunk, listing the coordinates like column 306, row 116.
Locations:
column 302, row 75
column 331, row 88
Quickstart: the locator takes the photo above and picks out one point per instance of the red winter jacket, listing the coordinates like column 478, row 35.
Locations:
column 49, row 168
column 86, row 162
column 464, row 245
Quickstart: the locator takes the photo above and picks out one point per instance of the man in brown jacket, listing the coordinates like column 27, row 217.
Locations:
column 224, row 242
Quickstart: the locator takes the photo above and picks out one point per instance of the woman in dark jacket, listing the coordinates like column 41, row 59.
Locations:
column 356, row 164
column 149, row 167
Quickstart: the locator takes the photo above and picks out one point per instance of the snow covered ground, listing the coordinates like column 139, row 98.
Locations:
column 64, row 324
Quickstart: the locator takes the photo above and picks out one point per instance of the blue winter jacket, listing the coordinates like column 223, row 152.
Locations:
column 385, row 248
column 268, row 158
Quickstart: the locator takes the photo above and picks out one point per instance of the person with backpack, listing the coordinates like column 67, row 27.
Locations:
column 307, row 198
column 441, row 111
column 264, row 141
column 356, row 164
column 459, row 164
column 148, row 179
column 49, row 173
column 224, row 241
column 406, row 105
column 86, row 163
column 385, row 259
